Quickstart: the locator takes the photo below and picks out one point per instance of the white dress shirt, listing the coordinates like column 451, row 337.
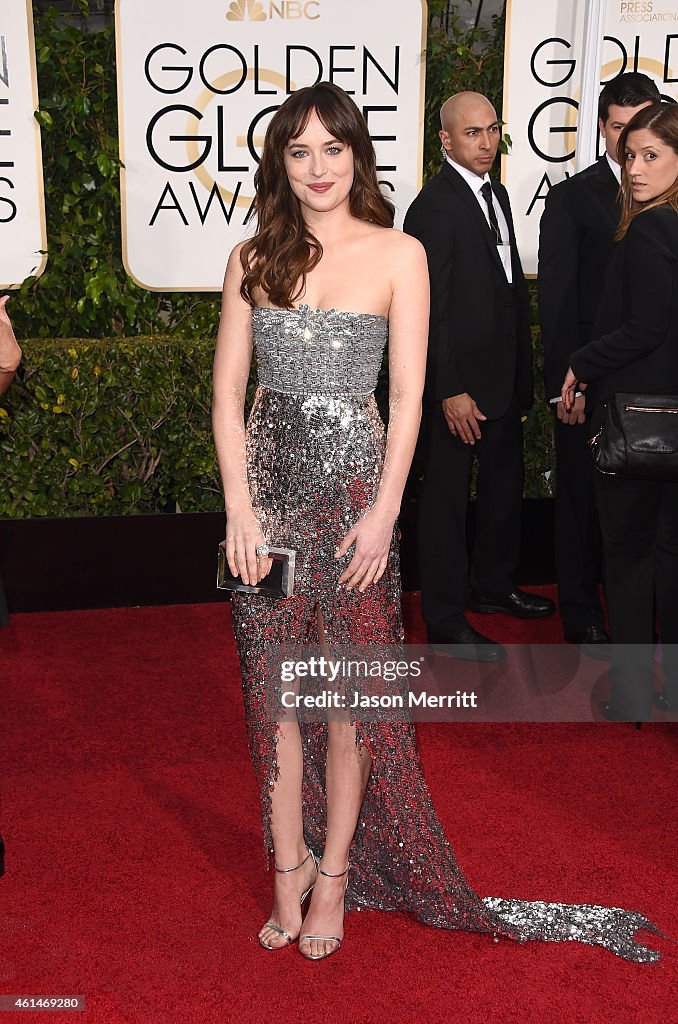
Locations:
column 614, row 167
column 475, row 183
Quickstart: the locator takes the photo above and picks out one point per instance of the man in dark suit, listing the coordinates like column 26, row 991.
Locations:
column 576, row 240
column 479, row 377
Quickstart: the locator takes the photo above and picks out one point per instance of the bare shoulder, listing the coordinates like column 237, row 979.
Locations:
column 399, row 248
column 409, row 246
column 234, row 259
column 232, row 298
column 234, row 268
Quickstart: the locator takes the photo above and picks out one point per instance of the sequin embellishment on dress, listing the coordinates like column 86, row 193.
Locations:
column 315, row 448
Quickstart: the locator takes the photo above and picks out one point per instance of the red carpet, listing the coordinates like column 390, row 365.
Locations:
column 134, row 863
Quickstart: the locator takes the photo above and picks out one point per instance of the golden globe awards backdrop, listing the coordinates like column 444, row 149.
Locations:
column 542, row 85
column 22, row 200
column 198, row 83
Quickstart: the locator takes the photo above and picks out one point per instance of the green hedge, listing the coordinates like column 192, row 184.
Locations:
column 121, row 426
column 109, row 428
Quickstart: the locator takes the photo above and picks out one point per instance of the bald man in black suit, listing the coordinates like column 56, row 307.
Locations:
column 479, row 378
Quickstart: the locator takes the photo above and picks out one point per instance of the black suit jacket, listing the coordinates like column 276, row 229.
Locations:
column 576, row 243
column 635, row 344
column 479, row 332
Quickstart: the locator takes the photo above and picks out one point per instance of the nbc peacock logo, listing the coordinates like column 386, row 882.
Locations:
column 246, row 10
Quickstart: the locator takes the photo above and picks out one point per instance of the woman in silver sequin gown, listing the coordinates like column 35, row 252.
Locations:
column 316, row 472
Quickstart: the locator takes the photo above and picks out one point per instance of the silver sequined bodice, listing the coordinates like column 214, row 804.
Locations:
column 317, row 351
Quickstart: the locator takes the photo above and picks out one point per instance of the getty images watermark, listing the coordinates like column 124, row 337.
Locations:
column 414, row 683
column 335, row 673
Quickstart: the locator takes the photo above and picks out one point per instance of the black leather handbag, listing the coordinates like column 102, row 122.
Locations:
column 638, row 438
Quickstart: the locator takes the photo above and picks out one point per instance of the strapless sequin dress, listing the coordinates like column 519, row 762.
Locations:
column 315, row 448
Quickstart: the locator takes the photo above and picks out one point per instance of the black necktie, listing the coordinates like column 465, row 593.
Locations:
column 486, row 190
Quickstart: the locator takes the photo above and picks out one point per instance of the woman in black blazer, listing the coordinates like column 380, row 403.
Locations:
column 635, row 349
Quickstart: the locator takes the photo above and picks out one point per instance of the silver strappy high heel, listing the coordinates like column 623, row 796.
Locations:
column 276, row 927
column 325, row 938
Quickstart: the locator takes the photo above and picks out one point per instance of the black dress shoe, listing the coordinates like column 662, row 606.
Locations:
column 593, row 641
column 661, row 701
column 466, row 643
column 611, row 714
column 516, row 602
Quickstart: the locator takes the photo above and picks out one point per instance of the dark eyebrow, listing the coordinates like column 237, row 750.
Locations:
column 479, row 127
column 330, row 142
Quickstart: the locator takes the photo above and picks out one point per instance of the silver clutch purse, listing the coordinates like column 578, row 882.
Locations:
column 278, row 583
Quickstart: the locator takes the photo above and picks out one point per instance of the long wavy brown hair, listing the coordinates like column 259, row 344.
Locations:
column 662, row 120
column 283, row 250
